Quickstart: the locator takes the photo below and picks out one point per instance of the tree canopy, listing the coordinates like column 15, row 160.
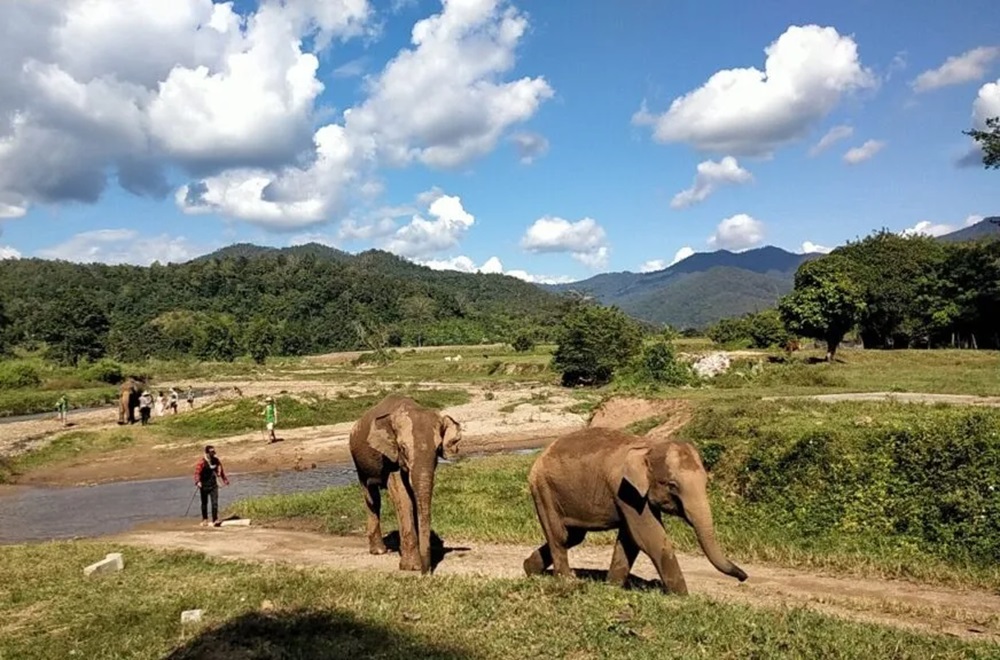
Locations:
column 989, row 141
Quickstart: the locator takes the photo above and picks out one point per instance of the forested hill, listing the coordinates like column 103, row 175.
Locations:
column 263, row 301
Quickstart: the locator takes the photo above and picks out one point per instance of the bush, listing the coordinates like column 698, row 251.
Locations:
column 18, row 374
column 105, row 371
column 657, row 365
column 593, row 343
column 524, row 342
column 761, row 330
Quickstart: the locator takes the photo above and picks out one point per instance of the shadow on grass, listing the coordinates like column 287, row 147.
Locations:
column 309, row 634
column 633, row 582
column 438, row 548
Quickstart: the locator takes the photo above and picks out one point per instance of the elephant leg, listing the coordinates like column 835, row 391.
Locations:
column 647, row 531
column 557, row 536
column 622, row 558
column 538, row 561
column 409, row 551
column 373, row 500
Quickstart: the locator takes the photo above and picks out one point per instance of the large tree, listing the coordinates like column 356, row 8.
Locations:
column 826, row 302
column 989, row 140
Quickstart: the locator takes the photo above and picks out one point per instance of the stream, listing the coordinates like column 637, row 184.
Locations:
column 49, row 513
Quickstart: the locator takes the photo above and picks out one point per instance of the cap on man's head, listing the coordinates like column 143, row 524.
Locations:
column 209, row 448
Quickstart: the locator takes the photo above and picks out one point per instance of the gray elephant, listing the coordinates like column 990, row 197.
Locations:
column 599, row 479
column 395, row 446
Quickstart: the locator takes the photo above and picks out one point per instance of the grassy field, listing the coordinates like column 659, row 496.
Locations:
column 47, row 610
column 72, row 445
column 777, row 498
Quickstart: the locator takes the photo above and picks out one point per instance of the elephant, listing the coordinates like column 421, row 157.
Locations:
column 598, row 479
column 395, row 446
column 128, row 400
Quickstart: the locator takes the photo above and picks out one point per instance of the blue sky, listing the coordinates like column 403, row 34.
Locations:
column 535, row 138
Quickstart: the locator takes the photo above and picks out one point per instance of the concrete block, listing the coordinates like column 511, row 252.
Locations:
column 191, row 616
column 239, row 522
column 111, row 563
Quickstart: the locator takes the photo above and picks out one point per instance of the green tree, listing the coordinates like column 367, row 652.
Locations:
column 593, row 342
column 261, row 340
column 989, row 141
column 825, row 303
column 524, row 342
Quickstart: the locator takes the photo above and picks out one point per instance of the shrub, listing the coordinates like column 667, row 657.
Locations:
column 18, row 374
column 524, row 342
column 657, row 365
column 105, row 371
column 593, row 343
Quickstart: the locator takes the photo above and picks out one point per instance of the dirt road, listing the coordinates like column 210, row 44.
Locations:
column 899, row 397
column 962, row 613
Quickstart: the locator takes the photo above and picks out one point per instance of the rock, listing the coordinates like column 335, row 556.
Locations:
column 266, row 606
column 191, row 616
column 712, row 365
column 239, row 522
column 111, row 563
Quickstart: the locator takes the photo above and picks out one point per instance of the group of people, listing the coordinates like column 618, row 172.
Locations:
column 162, row 403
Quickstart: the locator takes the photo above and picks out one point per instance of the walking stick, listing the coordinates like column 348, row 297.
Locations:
column 191, row 502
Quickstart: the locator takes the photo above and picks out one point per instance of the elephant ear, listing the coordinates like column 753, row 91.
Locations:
column 635, row 478
column 382, row 437
column 451, row 433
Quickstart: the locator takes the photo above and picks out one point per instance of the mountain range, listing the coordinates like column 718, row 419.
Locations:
column 709, row 286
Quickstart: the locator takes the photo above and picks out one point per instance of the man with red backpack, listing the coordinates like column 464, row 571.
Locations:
column 206, row 477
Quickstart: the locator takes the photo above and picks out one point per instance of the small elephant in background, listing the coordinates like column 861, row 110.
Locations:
column 395, row 446
column 598, row 479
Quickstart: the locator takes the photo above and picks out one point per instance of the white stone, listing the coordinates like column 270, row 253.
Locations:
column 711, row 365
column 191, row 616
column 239, row 522
column 111, row 563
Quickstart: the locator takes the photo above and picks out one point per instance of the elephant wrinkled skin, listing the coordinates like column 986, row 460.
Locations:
column 128, row 401
column 599, row 479
column 395, row 446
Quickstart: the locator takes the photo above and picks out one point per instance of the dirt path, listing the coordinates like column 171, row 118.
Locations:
column 927, row 609
column 504, row 420
column 901, row 397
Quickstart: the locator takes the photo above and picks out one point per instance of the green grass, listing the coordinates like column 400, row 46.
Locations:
column 48, row 609
column 30, row 401
column 487, row 499
column 644, row 426
column 72, row 445
column 302, row 409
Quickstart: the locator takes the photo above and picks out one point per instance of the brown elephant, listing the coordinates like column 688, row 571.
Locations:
column 598, row 479
column 128, row 400
column 395, row 445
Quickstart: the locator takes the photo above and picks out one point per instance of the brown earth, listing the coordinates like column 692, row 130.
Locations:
column 488, row 426
column 922, row 608
column 620, row 412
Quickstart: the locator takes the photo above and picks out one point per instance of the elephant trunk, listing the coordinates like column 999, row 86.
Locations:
column 699, row 515
column 422, row 482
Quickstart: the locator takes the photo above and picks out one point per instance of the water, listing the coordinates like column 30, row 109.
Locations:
column 35, row 514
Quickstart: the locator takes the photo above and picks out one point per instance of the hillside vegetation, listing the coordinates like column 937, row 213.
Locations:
column 261, row 302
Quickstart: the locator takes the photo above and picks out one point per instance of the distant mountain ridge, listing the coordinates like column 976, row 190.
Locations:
column 709, row 286
column 250, row 251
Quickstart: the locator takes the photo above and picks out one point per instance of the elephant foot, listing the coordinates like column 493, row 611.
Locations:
column 533, row 565
column 407, row 564
column 378, row 549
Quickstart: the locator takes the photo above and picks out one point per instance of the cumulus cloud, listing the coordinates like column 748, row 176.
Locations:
column 231, row 100
column 831, row 137
column 808, row 70
column 808, row 247
column 710, row 176
column 970, row 66
column 681, row 254
column 585, row 240
column 986, row 106
column 493, row 265
column 7, row 252
column 654, row 265
column 928, row 228
column 530, row 146
column 122, row 246
column 422, row 237
column 866, row 151
column 737, row 233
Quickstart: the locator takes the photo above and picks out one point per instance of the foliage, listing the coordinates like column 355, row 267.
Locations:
column 989, row 142
column 656, row 366
column 105, row 371
column 763, row 329
column 826, row 302
column 593, row 343
column 15, row 374
column 524, row 342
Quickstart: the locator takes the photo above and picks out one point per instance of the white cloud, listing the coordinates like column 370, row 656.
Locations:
column 746, row 111
column 652, row 266
column 970, row 66
column 808, row 247
column 493, row 265
column 986, row 106
column 866, row 151
column 737, row 233
column 351, row 69
column 422, row 237
column 928, row 228
column 832, row 136
column 442, row 102
column 312, row 237
column 710, row 176
column 682, row 254
column 529, row 146
column 585, row 240
column 122, row 246
column 7, row 252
